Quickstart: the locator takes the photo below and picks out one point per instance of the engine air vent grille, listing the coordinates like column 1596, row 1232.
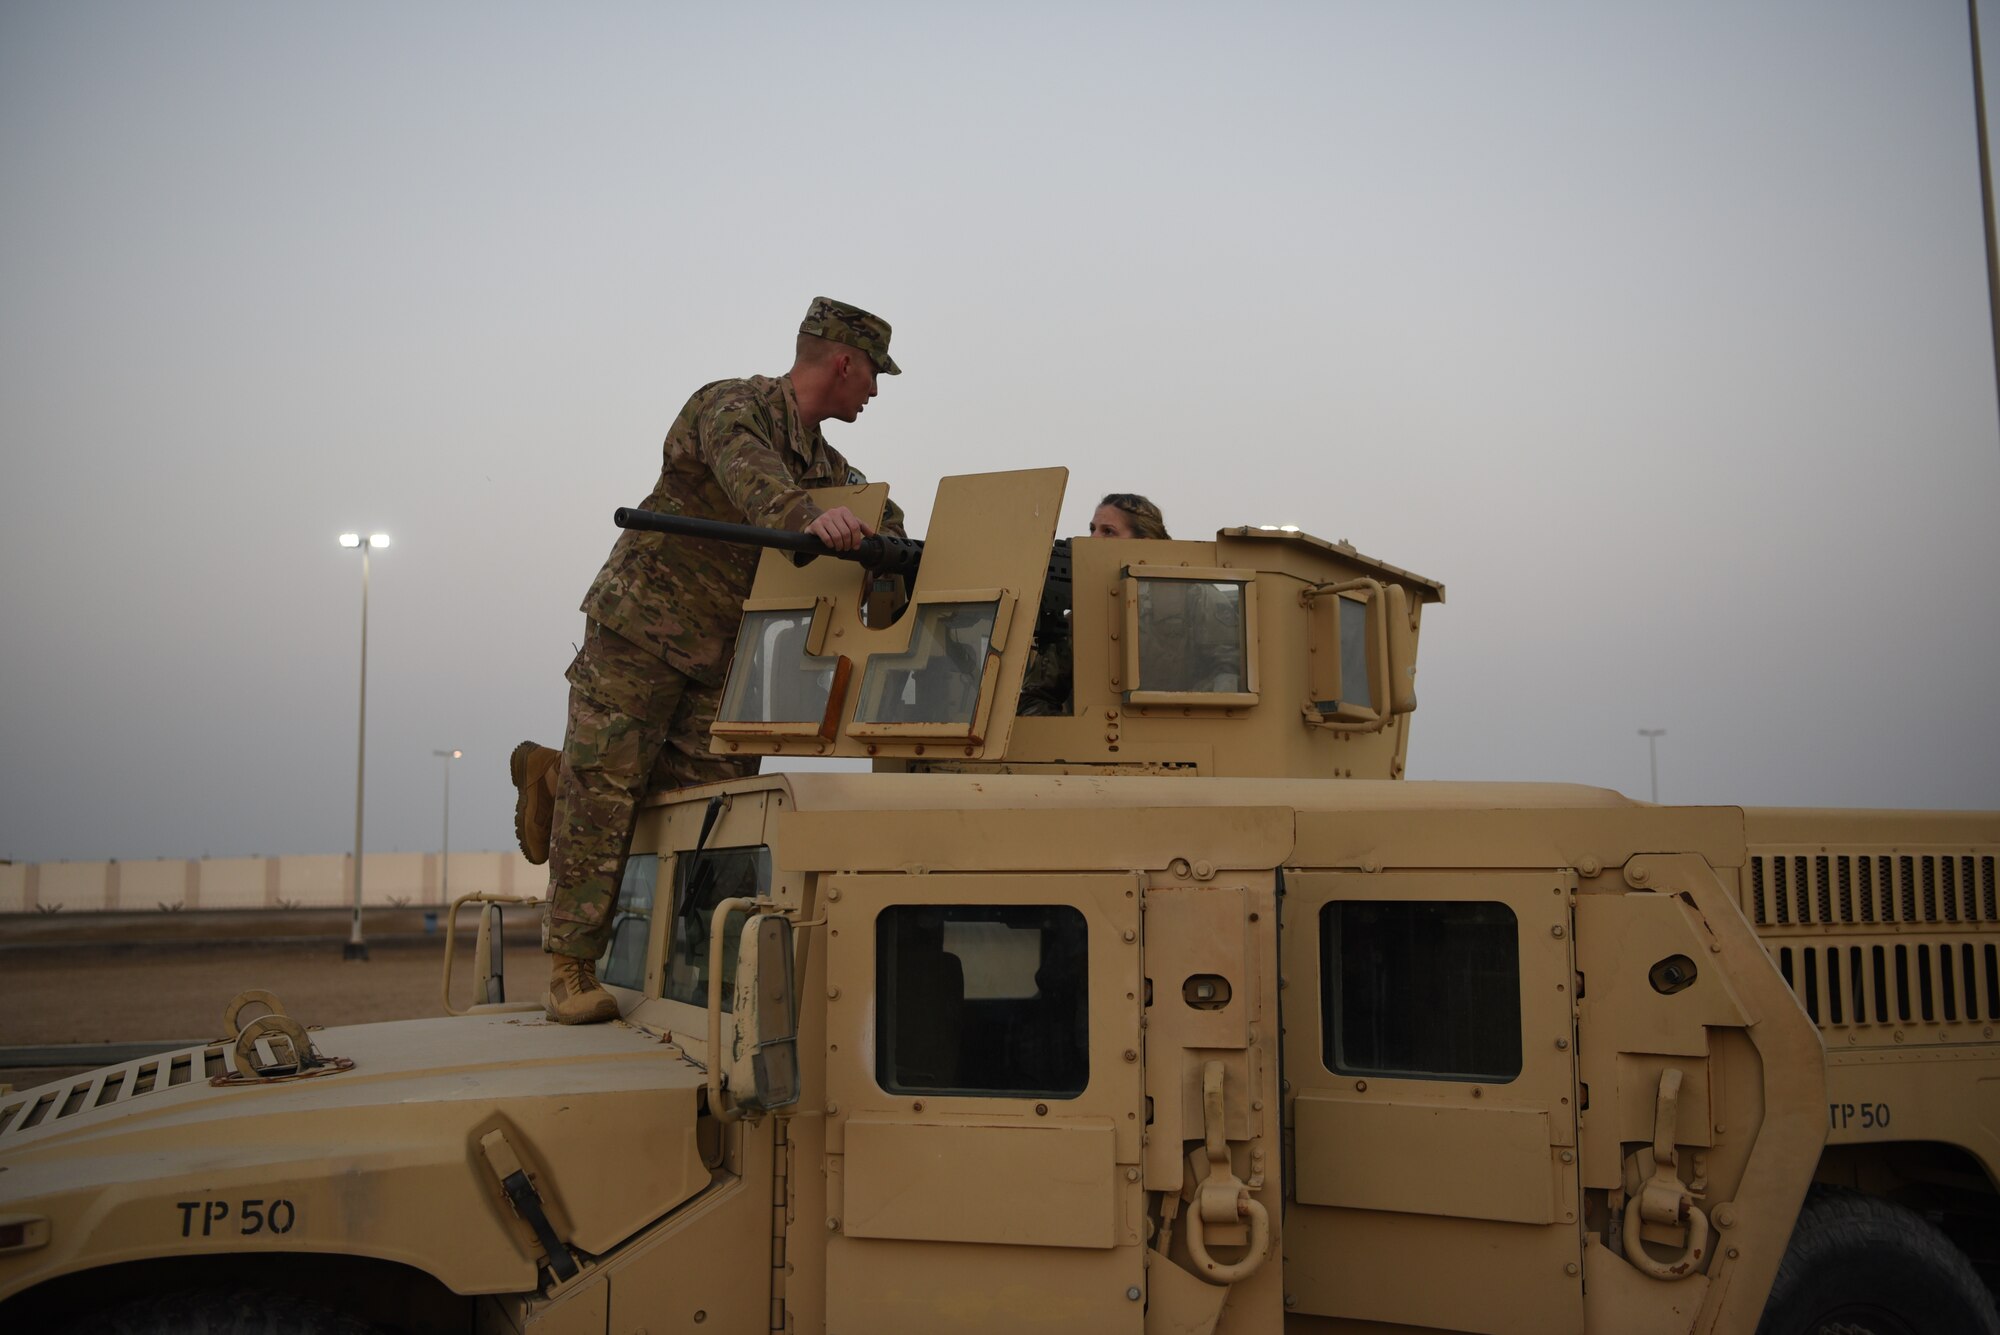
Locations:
column 1894, row 982
column 113, row 1084
column 1853, row 889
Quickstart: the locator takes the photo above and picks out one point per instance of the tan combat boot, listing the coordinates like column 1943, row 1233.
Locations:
column 534, row 769
column 575, row 996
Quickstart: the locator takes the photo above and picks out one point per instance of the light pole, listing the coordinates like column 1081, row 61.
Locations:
column 356, row 947
column 444, row 868
column 1652, row 736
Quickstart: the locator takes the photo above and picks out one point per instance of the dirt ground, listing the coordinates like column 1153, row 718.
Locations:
column 110, row 978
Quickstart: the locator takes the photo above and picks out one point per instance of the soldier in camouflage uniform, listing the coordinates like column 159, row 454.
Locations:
column 1046, row 687
column 661, row 620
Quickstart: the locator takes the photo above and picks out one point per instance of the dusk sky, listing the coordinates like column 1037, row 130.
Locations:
column 1657, row 332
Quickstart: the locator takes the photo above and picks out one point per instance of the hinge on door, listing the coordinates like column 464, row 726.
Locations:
column 781, row 1175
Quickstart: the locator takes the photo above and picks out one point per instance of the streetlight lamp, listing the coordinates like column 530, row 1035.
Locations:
column 357, row 948
column 1652, row 736
column 444, row 874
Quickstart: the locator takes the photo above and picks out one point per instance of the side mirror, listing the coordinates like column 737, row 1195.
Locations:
column 489, row 953
column 489, row 958
column 764, row 1059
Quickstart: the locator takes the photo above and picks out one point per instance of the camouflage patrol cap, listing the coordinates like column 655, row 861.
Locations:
column 827, row 318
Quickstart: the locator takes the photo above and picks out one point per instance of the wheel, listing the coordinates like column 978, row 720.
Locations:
column 1858, row 1265
column 212, row 1312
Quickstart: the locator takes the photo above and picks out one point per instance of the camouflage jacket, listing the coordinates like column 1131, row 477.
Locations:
column 737, row 452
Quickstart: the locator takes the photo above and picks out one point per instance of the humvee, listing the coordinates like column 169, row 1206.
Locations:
column 1179, row 1011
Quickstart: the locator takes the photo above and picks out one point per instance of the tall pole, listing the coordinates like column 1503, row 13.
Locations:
column 1985, row 186
column 444, row 877
column 1652, row 736
column 357, row 947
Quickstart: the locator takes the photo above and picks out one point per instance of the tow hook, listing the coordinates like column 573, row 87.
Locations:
column 1222, row 1197
column 1662, row 1198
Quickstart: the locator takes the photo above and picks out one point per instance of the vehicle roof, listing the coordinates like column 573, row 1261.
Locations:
column 836, row 791
column 1429, row 589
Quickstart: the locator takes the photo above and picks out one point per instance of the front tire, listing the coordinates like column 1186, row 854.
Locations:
column 214, row 1312
column 1860, row 1265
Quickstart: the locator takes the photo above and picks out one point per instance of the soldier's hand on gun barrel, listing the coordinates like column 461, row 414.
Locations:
column 839, row 528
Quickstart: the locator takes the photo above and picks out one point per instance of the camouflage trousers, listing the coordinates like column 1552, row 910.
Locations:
column 636, row 726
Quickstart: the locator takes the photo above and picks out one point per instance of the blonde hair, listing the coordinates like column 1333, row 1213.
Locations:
column 1147, row 521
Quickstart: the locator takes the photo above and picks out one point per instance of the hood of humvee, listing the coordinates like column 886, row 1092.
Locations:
column 381, row 1158
column 406, row 1062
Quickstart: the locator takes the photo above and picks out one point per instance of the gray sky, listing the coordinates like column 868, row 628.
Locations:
column 1658, row 332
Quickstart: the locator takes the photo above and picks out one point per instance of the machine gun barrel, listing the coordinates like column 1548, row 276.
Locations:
column 879, row 552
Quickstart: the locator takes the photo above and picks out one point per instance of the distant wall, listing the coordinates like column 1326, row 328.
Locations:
column 294, row 881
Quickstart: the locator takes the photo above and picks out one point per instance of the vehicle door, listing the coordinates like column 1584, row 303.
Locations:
column 1429, row 1053
column 985, row 1102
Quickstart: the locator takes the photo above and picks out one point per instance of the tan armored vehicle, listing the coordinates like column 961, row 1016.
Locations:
column 1175, row 1012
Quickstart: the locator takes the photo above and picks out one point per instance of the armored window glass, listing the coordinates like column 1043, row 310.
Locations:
column 1192, row 637
column 701, row 881
column 1430, row 990
column 982, row 999
column 624, row 960
column 939, row 679
column 1355, row 688
column 772, row 678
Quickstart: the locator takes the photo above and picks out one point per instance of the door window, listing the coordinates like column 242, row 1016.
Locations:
column 701, row 881
column 1424, row 989
column 982, row 999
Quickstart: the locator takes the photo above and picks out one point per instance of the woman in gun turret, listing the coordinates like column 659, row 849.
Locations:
column 1046, row 689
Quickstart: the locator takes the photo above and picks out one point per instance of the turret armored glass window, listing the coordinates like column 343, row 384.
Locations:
column 1190, row 637
column 773, row 678
column 940, row 679
column 1356, row 691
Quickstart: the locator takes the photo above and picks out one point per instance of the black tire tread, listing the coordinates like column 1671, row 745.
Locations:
column 223, row 1312
column 1839, row 1231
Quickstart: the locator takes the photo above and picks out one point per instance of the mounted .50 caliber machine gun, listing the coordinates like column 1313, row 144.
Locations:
column 879, row 553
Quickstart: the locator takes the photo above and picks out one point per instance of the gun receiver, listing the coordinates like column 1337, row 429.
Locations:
column 879, row 552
